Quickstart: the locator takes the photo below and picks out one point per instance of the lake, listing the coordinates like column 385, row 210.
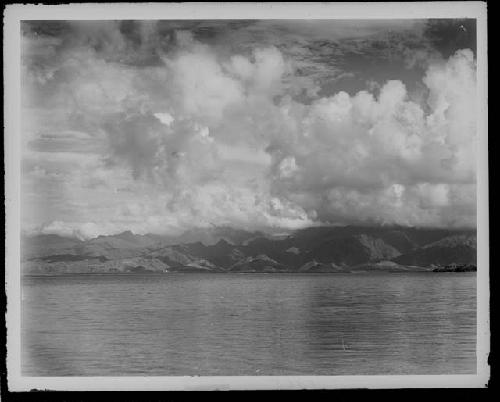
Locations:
column 249, row 324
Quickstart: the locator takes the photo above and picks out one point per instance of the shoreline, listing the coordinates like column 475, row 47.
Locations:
column 142, row 274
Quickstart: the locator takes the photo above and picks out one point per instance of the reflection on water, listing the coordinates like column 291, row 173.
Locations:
column 251, row 324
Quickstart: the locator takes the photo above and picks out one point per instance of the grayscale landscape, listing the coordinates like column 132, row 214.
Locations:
column 248, row 197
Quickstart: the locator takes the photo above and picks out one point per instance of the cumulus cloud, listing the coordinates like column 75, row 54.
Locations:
column 211, row 135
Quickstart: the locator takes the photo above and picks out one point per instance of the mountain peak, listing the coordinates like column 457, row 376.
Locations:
column 223, row 243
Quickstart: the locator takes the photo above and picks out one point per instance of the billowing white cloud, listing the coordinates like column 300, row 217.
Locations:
column 207, row 136
column 165, row 118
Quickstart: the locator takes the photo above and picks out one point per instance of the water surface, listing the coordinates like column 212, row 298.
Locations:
column 249, row 324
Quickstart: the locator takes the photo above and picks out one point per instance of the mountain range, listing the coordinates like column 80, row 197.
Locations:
column 223, row 249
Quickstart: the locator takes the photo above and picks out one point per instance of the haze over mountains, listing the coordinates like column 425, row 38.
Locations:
column 223, row 249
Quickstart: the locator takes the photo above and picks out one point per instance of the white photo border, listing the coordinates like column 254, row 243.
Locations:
column 14, row 14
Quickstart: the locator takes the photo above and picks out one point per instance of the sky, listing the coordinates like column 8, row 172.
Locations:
column 164, row 126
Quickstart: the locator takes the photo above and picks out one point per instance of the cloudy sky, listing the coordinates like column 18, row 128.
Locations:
column 162, row 126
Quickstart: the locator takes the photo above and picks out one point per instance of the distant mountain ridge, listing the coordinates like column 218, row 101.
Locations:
column 315, row 249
